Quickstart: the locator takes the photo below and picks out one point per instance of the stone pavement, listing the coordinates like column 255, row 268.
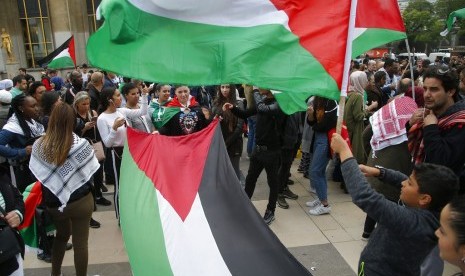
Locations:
column 327, row 245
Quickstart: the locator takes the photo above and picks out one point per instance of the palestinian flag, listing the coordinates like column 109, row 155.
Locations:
column 377, row 22
column 453, row 16
column 32, row 197
column 285, row 45
column 63, row 56
column 183, row 211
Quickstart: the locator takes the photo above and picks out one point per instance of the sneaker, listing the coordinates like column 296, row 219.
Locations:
column 290, row 182
column 312, row 190
column 320, row 210
column 103, row 201
column 289, row 194
column 94, row 224
column 313, row 203
column 69, row 246
column 268, row 217
column 365, row 236
column 44, row 257
column 300, row 170
column 104, row 189
column 282, row 202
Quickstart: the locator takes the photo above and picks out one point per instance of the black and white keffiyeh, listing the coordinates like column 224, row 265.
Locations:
column 63, row 180
column 12, row 125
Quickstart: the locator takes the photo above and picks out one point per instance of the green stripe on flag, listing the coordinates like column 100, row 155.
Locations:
column 153, row 48
column 61, row 62
column 140, row 221
column 372, row 38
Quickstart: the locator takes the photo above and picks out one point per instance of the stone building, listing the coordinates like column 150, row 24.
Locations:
column 37, row 27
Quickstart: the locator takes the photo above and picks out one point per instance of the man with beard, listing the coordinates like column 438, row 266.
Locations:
column 436, row 134
column 76, row 86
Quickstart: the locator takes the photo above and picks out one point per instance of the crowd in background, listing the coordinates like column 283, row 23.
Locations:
column 391, row 121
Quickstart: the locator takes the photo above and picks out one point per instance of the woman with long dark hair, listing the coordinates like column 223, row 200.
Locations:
column 17, row 137
column 64, row 163
column 231, row 126
column 48, row 101
column 111, row 124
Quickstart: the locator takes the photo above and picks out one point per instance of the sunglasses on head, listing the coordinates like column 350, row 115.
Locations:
column 442, row 70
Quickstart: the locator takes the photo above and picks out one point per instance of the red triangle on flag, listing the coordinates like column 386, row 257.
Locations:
column 175, row 164
column 322, row 28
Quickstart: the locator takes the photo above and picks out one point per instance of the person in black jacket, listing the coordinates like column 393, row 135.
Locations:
column 12, row 202
column 267, row 152
column 231, row 126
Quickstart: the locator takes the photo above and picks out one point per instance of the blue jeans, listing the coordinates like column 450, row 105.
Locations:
column 320, row 160
column 251, row 123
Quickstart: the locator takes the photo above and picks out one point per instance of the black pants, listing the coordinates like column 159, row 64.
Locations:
column 117, row 155
column 269, row 160
column 108, row 167
column 287, row 156
column 98, row 182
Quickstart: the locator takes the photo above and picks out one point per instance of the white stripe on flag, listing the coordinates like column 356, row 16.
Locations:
column 358, row 32
column 237, row 13
column 190, row 245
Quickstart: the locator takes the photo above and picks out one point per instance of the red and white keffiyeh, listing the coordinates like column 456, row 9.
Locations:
column 388, row 123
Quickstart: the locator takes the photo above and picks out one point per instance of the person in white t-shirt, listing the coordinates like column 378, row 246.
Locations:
column 112, row 125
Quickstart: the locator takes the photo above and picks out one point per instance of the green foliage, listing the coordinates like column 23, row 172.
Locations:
column 424, row 21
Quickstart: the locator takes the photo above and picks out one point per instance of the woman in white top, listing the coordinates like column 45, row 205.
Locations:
column 111, row 125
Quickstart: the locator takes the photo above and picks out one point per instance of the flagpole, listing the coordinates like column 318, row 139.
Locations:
column 347, row 61
column 411, row 59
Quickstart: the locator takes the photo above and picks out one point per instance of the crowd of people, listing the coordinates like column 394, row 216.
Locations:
column 394, row 126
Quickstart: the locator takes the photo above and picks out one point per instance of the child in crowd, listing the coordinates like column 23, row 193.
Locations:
column 405, row 232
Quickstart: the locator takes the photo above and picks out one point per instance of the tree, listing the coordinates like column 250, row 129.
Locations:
column 443, row 8
column 422, row 25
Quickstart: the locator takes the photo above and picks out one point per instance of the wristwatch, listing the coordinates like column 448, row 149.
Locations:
column 382, row 171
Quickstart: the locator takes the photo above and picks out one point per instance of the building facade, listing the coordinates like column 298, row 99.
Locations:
column 37, row 27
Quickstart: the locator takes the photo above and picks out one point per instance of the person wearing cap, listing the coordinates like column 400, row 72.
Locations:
column 5, row 100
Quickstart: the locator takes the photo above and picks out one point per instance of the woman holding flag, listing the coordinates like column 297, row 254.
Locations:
column 111, row 124
column 183, row 114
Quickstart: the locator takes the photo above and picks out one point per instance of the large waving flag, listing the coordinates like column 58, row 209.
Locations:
column 377, row 22
column 63, row 56
column 453, row 16
column 183, row 211
column 286, row 45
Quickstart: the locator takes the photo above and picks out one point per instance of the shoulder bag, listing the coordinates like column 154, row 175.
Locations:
column 98, row 147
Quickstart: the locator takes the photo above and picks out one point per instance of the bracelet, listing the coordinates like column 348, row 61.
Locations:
column 382, row 171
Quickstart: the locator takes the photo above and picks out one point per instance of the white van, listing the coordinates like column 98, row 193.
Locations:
column 417, row 56
column 432, row 57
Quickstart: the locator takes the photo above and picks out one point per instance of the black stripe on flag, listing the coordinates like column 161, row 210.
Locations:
column 247, row 244
column 46, row 60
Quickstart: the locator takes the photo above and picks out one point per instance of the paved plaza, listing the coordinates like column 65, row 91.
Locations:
column 326, row 245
